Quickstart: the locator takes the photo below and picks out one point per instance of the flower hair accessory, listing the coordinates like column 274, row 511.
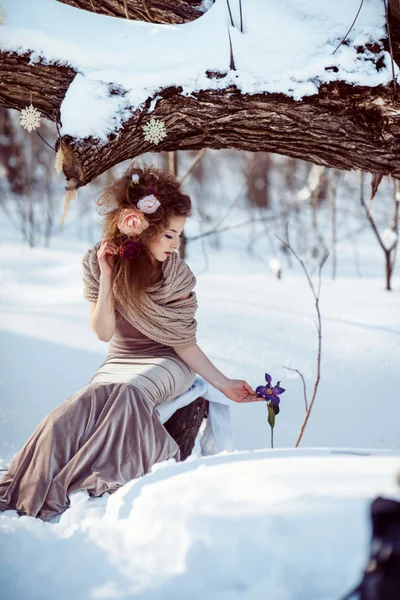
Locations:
column 149, row 204
column 132, row 221
column 134, row 179
column 130, row 249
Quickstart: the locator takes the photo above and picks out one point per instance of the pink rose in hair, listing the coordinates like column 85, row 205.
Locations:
column 148, row 204
column 132, row 221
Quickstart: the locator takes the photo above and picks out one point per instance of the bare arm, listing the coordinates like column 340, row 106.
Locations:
column 102, row 312
column 234, row 389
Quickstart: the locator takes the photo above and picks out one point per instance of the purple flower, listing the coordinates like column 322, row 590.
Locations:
column 130, row 249
column 269, row 393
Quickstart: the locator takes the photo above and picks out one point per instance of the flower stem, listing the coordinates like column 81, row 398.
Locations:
column 272, row 437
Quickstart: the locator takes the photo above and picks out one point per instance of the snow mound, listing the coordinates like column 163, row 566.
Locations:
column 244, row 525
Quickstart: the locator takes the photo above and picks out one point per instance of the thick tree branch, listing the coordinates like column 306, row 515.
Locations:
column 343, row 126
column 156, row 11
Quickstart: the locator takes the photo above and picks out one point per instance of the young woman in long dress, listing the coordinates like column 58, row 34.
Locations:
column 141, row 298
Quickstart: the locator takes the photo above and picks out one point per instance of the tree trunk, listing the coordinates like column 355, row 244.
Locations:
column 185, row 423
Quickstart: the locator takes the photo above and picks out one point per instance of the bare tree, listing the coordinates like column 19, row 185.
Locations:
column 388, row 239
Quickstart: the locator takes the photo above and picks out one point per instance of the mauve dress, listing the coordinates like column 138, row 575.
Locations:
column 104, row 435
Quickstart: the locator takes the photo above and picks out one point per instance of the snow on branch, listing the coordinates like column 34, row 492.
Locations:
column 118, row 73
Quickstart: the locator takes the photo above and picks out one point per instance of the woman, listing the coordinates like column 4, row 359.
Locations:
column 141, row 298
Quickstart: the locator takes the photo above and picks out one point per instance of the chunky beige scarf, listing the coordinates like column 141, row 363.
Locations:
column 160, row 315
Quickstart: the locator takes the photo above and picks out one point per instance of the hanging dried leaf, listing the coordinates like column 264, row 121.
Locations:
column 59, row 161
column 71, row 194
column 376, row 180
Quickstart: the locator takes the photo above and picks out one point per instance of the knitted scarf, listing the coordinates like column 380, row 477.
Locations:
column 159, row 315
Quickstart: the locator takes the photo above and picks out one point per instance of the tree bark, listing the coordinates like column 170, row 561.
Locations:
column 185, row 423
column 153, row 11
column 343, row 126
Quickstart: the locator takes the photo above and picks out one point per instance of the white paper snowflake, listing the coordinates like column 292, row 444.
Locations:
column 3, row 15
column 154, row 131
column 30, row 118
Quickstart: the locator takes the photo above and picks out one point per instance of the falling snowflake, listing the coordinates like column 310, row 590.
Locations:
column 30, row 118
column 154, row 131
column 3, row 15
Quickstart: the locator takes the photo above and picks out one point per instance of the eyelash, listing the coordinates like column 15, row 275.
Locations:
column 170, row 237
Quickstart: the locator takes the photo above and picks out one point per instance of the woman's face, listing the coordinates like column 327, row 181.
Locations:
column 168, row 240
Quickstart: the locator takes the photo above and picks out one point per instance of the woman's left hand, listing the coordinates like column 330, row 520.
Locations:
column 239, row 391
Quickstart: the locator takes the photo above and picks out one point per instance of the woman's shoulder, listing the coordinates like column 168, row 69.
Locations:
column 91, row 254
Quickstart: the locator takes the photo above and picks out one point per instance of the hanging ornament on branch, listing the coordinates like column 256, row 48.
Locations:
column 30, row 118
column 154, row 131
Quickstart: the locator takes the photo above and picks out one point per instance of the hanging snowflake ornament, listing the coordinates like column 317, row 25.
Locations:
column 3, row 15
column 154, row 131
column 30, row 118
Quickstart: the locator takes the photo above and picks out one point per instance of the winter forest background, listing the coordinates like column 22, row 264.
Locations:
column 247, row 524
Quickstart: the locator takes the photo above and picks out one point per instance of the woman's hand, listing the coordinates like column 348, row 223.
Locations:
column 105, row 255
column 239, row 391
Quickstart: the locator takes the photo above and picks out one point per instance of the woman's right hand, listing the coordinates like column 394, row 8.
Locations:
column 105, row 254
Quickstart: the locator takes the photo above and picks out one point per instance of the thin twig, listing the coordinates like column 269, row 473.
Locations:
column 192, row 165
column 304, row 384
column 319, row 331
column 368, row 213
column 390, row 48
column 93, row 6
column 126, row 10
column 241, row 16
column 230, row 13
column 351, row 26
column 147, row 10
column 232, row 60
column 42, row 138
column 223, row 229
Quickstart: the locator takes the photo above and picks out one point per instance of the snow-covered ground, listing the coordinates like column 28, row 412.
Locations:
column 250, row 526
column 285, row 524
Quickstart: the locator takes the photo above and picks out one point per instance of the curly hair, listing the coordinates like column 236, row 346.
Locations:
column 135, row 276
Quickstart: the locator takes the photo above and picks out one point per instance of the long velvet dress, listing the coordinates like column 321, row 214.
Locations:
column 104, row 435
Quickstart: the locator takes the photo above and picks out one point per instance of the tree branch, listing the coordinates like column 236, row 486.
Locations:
column 343, row 126
column 161, row 11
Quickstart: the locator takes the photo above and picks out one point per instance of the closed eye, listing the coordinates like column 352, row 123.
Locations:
column 170, row 237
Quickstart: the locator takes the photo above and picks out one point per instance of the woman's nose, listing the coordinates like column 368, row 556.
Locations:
column 176, row 244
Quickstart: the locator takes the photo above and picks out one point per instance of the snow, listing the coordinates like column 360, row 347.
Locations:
column 229, row 527
column 389, row 238
column 143, row 58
